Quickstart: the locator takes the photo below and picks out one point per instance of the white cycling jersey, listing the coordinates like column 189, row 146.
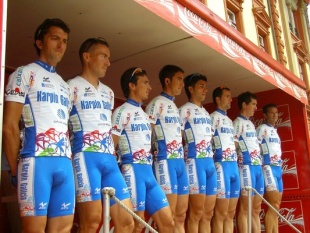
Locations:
column 90, row 118
column 270, row 144
column 197, row 131
column 133, row 127
column 164, row 114
column 246, row 137
column 46, row 99
column 223, row 139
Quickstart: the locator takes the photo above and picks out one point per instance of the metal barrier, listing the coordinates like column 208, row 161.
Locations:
column 250, row 189
column 109, row 192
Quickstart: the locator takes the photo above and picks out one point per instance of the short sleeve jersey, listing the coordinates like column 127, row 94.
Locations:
column 167, row 136
column 197, row 131
column 46, row 99
column 223, row 139
column 270, row 144
column 132, row 125
column 246, row 137
column 90, row 118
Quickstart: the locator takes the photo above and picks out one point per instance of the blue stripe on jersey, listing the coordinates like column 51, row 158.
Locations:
column 266, row 156
column 161, row 145
column 218, row 153
column 30, row 138
column 127, row 158
column 192, row 145
column 77, row 137
column 245, row 154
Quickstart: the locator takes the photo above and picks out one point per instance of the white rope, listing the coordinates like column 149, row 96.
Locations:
column 264, row 200
column 111, row 192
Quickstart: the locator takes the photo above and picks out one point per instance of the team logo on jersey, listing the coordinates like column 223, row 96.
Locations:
column 16, row 91
column 137, row 116
column 103, row 117
column 88, row 92
column 61, row 114
column 19, row 76
column 116, row 129
column 170, row 109
column 46, row 80
column 197, row 112
column 46, row 83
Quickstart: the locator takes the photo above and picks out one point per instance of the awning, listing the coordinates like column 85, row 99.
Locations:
column 226, row 42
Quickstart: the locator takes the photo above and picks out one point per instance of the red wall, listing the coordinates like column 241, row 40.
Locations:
column 294, row 134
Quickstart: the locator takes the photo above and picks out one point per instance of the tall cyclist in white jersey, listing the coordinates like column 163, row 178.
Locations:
column 39, row 97
column 225, row 158
column 169, row 165
column 94, row 160
column 272, row 164
column 250, row 162
column 132, row 133
column 198, row 155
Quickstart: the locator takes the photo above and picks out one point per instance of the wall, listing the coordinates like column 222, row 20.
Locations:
column 293, row 131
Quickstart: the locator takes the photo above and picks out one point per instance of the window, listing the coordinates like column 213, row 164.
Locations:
column 263, row 25
column 261, row 42
column 291, row 23
column 301, row 73
column 232, row 19
column 234, row 14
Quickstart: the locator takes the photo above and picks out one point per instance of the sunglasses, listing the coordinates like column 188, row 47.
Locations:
column 93, row 41
column 136, row 71
column 191, row 77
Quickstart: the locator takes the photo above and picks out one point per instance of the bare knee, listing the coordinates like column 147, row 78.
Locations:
column 256, row 210
column 231, row 214
column 208, row 215
column 195, row 215
column 126, row 223
column 91, row 223
column 221, row 215
column 165, row 225
column 138, row 227
column 180, row 217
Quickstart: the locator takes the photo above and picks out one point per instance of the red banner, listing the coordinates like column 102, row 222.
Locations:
column 188, row 21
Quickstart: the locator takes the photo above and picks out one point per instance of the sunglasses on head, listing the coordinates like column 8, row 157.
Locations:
column 136, row 71
column 93, row 41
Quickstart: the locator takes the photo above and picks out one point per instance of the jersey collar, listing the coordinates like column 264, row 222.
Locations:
column 167, row 96
column 243, row 117
column 270, row 125
column 46, row 66
column 133, row 102
column 221, row 111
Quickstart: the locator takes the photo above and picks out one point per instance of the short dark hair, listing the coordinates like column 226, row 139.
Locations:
column 90, row 42
column 130, row 76
column 191, row 80
column 246, row 98
column 218, row 92
column 267, row 106
column 168, row 71
column 43, row 28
